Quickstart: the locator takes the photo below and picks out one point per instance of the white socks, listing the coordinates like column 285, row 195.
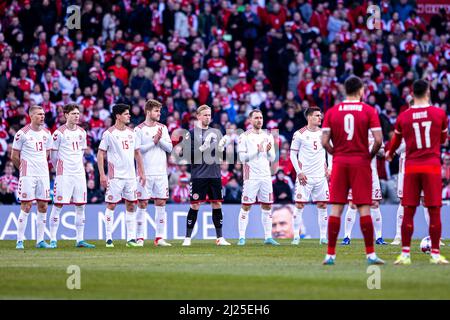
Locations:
column 131, row 225
column 80, row 221
column 109, row 221
column 54, row 222
column 243, row 222
column 266, row 218
column 23, row 219
column 350, row 217
column 426, row 214
column 398, row 229
column 377, row 221
column 322, row 218
column 160, row 219
column 298, row 221
column 40, row 226
column 140, row 223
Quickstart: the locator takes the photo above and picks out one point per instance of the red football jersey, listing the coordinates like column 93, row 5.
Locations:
column 349, row 124
column 424, row 129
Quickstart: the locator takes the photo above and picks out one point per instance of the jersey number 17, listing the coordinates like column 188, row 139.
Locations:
column 417, row 129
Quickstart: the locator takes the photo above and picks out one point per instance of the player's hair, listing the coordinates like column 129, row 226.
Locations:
column 420, row 88
column 352, row 85
column 152, row 104
column 311, row 110
column 33, row 108
column 70, row 107
column 202, row 108
column 253, row 112
column 119, row 109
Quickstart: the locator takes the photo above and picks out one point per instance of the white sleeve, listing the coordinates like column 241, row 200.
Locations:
column 84, row 142
column 55, row 149
column 295, row 149
column 18, row 140
column 402, row 148
column 104, row 143
column 165, row 142
column 244, row 154
column 49, row 143
column 272, row 154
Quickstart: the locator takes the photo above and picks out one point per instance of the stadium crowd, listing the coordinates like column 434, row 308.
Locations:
column 279, row 56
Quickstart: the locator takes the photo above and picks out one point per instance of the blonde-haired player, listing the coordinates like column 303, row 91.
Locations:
column 154, row 143
column 31, row 149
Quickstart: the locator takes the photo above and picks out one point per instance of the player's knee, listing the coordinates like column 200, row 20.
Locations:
column 321, row 205
column 130, row 206
column 58, row 205
column 246, row 207
column 300, row 205
column 142, row 204
column 160, row 203
column 26, row 206
column 111, row 206
column 42, row 206
column 195, row 206
column 216, row 205
column 266, row 207
column 375, row 205
column 353, row 206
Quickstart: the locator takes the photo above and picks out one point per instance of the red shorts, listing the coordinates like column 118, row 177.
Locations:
column 430, row 183
column 356, row 177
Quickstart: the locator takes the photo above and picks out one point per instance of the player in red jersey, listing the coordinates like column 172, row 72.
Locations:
column 424, row 129
column 347, row 125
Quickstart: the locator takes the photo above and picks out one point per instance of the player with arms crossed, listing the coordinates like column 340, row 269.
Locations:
column 30, row 151
column 424, row 128
column 203, row 142
column 69, row 143
column 154, row 143
column 375, row 211
column 119, row 145
column 347, row 125
column 256, row 152
column 309, row 160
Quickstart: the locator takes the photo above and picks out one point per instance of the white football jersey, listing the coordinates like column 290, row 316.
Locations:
column 311, row 154
column 155, row 159
column 373, row 162
column 119, row 146
column 33, row 146
column 402, row 150
column 70, row 145
column 256, row 165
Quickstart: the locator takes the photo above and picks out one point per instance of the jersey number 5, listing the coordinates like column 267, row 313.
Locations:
column 349, row 125
column 427, row 126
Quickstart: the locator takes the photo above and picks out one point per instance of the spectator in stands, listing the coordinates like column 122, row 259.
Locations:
column 8, row 185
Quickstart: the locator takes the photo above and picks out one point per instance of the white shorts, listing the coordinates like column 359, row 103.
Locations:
column 316, row 188
column 400, row 178
column 257, row 191
column 70, row 190
column 376, row 188
column 119, row 189
column 156, row 188
column 34, row 188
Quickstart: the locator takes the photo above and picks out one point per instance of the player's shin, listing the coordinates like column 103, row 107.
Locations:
column 297, row 221
column 40, row 226
column 266, row 218
column 322, row 218
column 367, row 231
column 190, row 221
column 350, row 217
column 398, row 229
column 54, row 222
column 242, row 223
column 426, row 215
column 334, row 224
column 407, row 229
column 217, row 218
column 161, row 218
column 435, row 230
column 140, row 222
column 377, row 221
column 80, row 221
column 23, row 220
column 131, row 225
column 109, row 221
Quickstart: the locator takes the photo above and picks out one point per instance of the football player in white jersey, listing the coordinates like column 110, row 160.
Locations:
column 119, row 145
column 309, row 160
column 31, row 149
column 375, row 211
column 256, row 151
column 69, row 143
column 154, row 143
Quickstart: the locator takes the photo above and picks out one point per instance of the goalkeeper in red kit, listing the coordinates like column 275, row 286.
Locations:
column 424, row 128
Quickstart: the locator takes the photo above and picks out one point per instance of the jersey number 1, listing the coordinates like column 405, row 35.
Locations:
column 427, row 126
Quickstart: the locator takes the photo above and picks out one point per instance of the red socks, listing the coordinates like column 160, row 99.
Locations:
column 367, row 231
column 334, row 224
column 435, row 227
column 408, row 225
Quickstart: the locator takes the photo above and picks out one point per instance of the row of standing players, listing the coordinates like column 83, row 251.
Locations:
column 352, row 126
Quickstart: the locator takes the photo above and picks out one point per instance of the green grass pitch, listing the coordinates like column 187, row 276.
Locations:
column 205, row 271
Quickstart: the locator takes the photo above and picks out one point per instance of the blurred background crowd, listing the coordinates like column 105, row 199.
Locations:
column 279, row 56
